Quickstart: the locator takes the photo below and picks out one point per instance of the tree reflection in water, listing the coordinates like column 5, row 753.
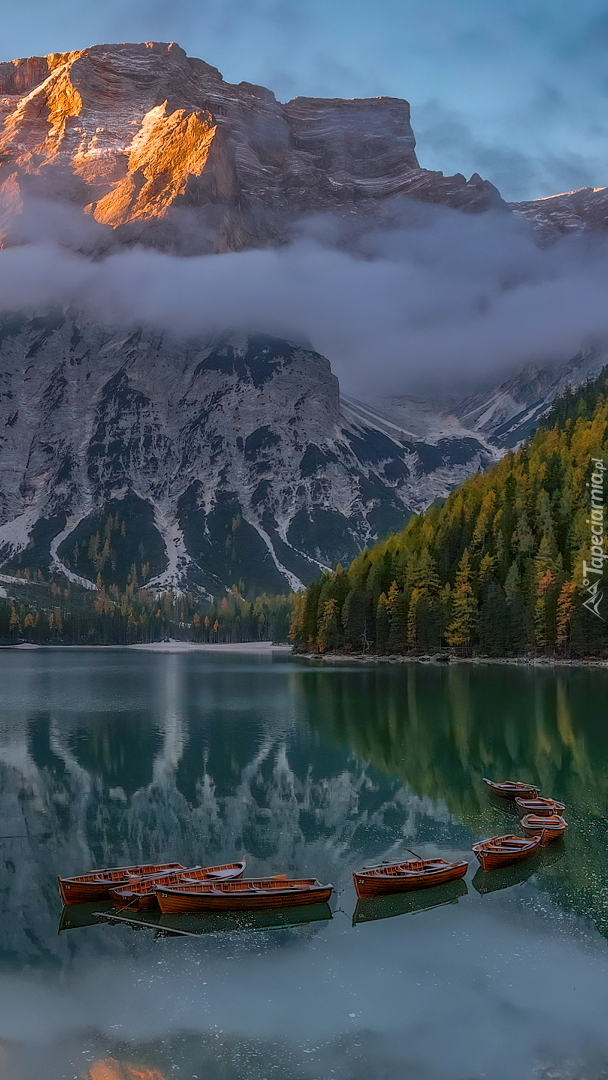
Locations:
column 440, row 729
column 110, row 758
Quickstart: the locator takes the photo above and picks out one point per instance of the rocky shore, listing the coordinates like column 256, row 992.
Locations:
column 446, row 657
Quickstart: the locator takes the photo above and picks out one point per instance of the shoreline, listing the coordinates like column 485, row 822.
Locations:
column 261, row 648
column 448, row 661
column 173, row 646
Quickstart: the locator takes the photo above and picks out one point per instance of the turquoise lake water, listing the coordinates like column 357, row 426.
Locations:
column 119, row 756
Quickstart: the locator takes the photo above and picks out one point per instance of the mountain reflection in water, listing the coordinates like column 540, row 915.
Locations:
column 440, row 730
column 108, row 758
column 117, row 1070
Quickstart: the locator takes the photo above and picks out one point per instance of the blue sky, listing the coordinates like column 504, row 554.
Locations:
column 514, row 89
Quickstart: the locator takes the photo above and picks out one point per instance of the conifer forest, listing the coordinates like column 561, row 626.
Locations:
column 60, row 613
column 498, row 569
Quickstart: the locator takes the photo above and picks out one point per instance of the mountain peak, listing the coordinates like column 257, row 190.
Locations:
column 156, row 147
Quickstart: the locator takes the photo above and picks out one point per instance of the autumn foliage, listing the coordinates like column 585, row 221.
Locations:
column 496, row 569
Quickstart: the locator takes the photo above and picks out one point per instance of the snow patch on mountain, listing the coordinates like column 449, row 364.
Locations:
column 56, row 566
column 198, row 465
column 178, row 561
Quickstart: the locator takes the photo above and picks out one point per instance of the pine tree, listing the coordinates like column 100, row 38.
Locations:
column 565, row 611
column 355, row 614
column 14, row 622
column 487, row 568
column 464, row 605
column 327, row 637
column 517, row 631
column 296, row 625
column 398, row 607
column 423, row 617
column 544, row 631
column 493, row 626
column 310, row 617
column 429, row 627
column 383, row 626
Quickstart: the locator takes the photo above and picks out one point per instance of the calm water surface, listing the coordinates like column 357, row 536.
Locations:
column 115, row 757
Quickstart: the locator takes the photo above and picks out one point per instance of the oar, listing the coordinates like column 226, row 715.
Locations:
column 414, row 854
column 387, row 862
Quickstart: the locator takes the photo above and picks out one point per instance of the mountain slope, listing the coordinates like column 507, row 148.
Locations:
column 513, row 559
column 131, row 458
column 497, row 416
column 153, row 146
column 507, row 414
column 570, row 212
column 199, row 464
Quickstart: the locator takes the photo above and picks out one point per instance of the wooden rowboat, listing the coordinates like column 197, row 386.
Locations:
column 248, row 895
column 405, row 876
column 96, row 884
column 409, row 903
column 504, row 850
column 539, row 806
column 140, row 893
column 511, row 789
column 547, row 828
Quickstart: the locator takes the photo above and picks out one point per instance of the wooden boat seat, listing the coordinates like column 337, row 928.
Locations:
column 256, row 894
column 504, row 850
column 405, row 876
column 218, row 875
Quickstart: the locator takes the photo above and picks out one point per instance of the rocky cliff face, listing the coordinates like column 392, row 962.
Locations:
column 585, row 210
column 206, row 464
column 211, row 464
column 508, row 413
column 156, row 148
column 502, row 414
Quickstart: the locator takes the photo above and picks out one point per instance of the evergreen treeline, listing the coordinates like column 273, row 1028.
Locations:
column 56, row 613
column 497, row 569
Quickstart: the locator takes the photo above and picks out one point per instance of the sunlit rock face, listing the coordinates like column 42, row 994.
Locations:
column 110, row 1069
column 570, row 212
column 154, row 146
column 232, row 462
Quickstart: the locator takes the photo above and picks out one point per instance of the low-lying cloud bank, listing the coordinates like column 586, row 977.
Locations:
column 436, row 299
